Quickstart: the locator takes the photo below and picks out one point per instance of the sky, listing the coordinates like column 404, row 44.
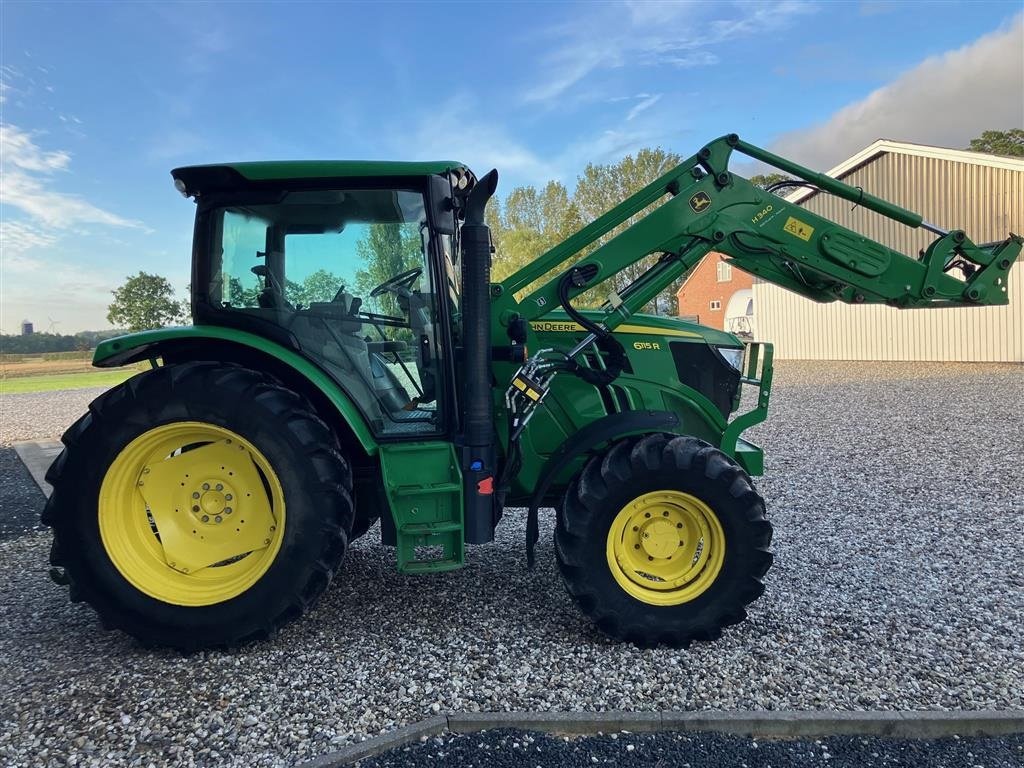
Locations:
column 101, row 100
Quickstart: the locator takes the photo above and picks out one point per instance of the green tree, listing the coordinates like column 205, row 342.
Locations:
column 241, row 296
column 529, row 223
column 602, row 187
column 765, row 180
column 1010, row 143
column 145, row 301
column 387, row 250
column 320, row 286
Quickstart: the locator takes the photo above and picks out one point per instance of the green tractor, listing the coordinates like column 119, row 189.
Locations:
column 351, row 361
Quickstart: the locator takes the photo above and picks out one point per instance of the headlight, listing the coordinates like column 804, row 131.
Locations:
column 732, row 356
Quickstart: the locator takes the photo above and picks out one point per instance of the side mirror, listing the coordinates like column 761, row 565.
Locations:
column 442, row 211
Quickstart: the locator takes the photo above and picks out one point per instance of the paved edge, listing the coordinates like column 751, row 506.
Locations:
column 37, row 455
column 764, row 724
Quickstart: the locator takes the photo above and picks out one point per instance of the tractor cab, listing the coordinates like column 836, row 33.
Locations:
column 355, row 272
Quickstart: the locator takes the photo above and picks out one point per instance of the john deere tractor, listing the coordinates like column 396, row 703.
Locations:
column 351, row 360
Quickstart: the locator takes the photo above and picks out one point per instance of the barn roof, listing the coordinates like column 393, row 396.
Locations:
column 887, row 146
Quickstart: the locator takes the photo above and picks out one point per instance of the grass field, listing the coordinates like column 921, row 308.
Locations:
column 77, row 380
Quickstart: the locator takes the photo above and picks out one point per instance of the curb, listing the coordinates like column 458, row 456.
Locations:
column 37, row 455
column 765, row 724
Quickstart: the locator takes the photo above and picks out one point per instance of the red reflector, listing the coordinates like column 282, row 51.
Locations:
column 485, row 487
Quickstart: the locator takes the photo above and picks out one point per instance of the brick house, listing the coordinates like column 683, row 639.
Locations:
column 718, row 295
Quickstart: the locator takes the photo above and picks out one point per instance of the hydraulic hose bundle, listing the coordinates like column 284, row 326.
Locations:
column 532, row 382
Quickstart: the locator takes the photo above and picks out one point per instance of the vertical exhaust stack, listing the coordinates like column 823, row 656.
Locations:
column 478, row 451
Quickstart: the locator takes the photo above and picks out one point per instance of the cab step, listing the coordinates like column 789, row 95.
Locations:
column 423, row 483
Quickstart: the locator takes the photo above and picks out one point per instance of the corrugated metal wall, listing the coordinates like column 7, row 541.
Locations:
column 986, row 202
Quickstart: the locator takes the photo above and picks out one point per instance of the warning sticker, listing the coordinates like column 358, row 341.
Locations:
column 798, row 228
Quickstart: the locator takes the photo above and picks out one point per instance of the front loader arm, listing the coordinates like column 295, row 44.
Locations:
column 704, row 207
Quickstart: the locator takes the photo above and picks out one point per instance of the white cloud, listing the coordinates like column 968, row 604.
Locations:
column 646, row 103
column 649, row 34
column 478, row 144
column 17, row 237
column 25, row 184
column 483, row 145
column 17, row 148
column 945, row 100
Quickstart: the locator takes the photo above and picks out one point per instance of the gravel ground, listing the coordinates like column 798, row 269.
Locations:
column 501, row 748
column 22, row 498
column 41, row 415
column 899, row 513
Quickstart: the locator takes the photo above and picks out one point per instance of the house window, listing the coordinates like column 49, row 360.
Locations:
column 724, row 272
column 716, row 305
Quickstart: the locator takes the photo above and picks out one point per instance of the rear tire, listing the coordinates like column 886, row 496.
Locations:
column 107, row 534
column 694, row 492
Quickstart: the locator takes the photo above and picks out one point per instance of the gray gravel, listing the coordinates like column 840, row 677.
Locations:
column 516, row 749
column 22, row 499
column 897, row 503
column 41, row 415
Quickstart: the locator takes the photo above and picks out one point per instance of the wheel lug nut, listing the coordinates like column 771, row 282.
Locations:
column 195, row 494
column 227, row 497
column 217, row 519
column 647, row 514
column 195, row 507
column 665, row 513
column 227, row 510
column 206, row 486
column 636, row 546
column 221, row 488
column 679, row 525
column 206, row 518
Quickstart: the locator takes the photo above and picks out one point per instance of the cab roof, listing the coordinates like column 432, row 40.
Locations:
column 202, row 178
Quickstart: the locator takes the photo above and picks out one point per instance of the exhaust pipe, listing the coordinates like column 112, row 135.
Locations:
column 478, row 438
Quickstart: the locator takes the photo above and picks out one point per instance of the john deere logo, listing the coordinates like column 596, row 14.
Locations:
column 700, row 201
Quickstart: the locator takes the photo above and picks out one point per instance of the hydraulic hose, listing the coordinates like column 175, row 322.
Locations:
column 604, row 339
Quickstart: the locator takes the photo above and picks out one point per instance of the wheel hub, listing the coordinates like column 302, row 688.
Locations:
column 665, row 547
column 213, row 501
column 660, row 538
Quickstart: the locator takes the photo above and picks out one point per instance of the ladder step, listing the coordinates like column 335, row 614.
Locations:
column 428, row 529
column 417, row 490
column 431, row 566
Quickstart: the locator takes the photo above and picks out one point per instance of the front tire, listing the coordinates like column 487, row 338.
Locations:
column 199, row 505
column 663, row 540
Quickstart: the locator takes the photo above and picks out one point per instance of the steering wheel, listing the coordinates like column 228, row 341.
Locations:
column 398, row 284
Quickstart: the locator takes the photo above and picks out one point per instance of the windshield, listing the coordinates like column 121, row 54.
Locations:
column 314, row 244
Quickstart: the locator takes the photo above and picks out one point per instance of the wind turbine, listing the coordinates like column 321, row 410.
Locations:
column 53, row 324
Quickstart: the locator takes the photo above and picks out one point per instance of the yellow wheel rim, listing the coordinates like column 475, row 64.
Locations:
column 191, row 513
column 666, row 548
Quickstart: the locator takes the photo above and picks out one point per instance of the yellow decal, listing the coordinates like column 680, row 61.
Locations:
column 557, row 327
column 700, row 201
column 656, row 331
column 761, row 214
column 563, row 327
column 640, row 346
column 799, row 229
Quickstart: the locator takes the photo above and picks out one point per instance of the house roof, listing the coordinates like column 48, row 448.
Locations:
column 887, row 146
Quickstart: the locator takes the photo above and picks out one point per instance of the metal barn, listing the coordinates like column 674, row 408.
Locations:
column 953, row 189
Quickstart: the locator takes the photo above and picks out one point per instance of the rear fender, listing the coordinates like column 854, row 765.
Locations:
column 228, row 345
